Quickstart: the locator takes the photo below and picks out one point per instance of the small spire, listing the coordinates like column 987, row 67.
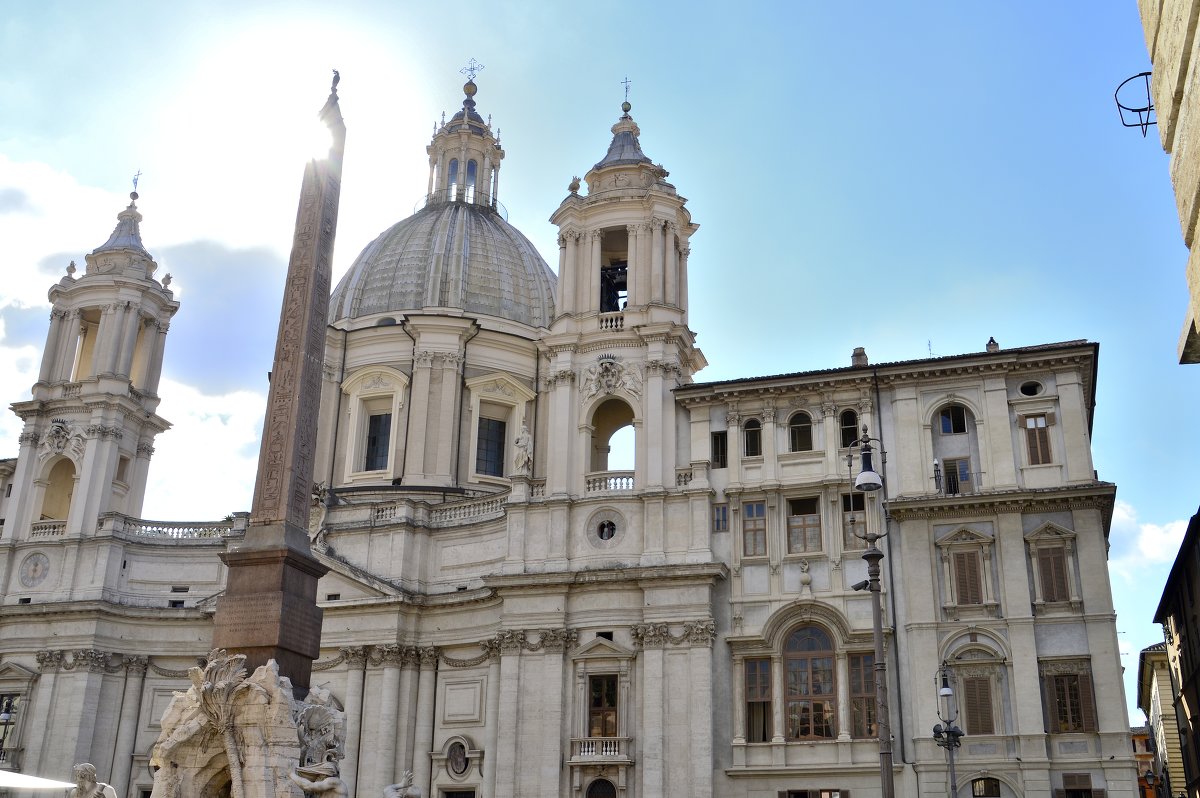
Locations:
column 126, row 235
column 992, row 346
column 71, row 269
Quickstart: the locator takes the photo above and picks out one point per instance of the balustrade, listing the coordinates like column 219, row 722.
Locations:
column 609, row 481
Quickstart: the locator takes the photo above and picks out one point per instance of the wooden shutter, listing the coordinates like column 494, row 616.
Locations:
column 977, row 693
column 1049, row 705
column 967, row 585
column 1052, row 568
column 1087, row 702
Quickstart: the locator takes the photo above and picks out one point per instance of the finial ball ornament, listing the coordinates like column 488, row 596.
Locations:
column 133, row 195
column 625, row 106
column 469, row 88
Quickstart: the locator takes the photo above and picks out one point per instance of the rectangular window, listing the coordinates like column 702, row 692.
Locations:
column 720, row 450
column 720, row 518
column 804, row 526
column 758, row 701
column 1037, row 438
column 977, row 700
column 954, row 420
column 753, row 438
column 602, row 705
column 489, row 449
column 958, row 476
column 1052, row 570
column 862, row 695
column 754, row 529
column 379, row 435
column 1072, row 705
column 853, row 520
column 968, row 582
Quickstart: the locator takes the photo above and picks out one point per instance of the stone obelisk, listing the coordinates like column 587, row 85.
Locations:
column 269, row 609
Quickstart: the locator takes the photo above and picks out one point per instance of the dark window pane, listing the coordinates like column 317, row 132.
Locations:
column 489, row 451
column 800, row 433
column 720, row 450
column 379, row 432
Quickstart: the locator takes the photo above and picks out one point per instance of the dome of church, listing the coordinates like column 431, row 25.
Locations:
column 449, row 255
column 457, row 251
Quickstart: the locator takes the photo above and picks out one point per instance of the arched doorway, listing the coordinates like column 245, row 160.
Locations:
column 60, row 488
column 613, row 437
column 601, row 788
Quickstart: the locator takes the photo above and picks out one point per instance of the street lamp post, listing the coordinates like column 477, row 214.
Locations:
column 869, row 481
column 946, row 734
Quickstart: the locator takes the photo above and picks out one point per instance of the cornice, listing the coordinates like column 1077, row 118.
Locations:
column 1094, row 495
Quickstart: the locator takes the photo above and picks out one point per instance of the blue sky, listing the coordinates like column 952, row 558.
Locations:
column 910, row 180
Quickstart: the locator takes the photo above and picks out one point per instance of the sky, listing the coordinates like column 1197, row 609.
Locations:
column 911, row 180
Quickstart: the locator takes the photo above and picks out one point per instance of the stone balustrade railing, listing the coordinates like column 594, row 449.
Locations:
column 600, row 748
column 537, row 488
column 609, row 481
column 683, row 477
column 612, row 322
column 47, row 529
column 115, row 523
column 474, row 510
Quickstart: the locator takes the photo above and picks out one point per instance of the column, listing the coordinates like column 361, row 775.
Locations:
column 67, row 349
column 683, row 281
column 131, row 709
column 107, row 338
column 778, row 699
column 423, row 744
column 658, row 421
column 414, row 460
column 559, row 471
column 129, row 335
column 638, row 293
column 406, row 729
column 657, row 282
column 38, row 729
column 700, row 708
column 356, row 662
column 653, row 728
column 833, row 439
column 733, row 446
column 672, row 267
column 451, row 363
column 739, row 700
column 155, row 363
column 843, row 695
column 553, row 697
column 565, row 293
column 50, row 353
column 510, row 685
column 770, row 446
column 491, row 720
column 591, row 291
column 389, row 696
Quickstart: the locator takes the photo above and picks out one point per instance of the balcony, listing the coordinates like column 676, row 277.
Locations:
column 601, row 482
column 601, row 750
column 47, row 529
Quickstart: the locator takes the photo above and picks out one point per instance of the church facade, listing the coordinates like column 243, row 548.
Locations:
column 507, row 615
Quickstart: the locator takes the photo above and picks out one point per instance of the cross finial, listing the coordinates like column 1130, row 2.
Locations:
column 135, row 179
column 627, row 81
column 472, row 68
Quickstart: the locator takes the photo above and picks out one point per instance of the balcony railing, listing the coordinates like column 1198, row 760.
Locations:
column 612, row 322
column 47, row 529
column 600, row 749
column 173, row 530
column 609, row 482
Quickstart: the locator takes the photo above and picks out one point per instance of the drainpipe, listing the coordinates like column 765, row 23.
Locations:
column 409, row 403
column 462, row 395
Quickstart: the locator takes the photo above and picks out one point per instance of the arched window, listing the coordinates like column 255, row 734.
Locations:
column 752, row 434
column 601, row 788
column 811, row 696
column 472, row 169
column 800, row 433
column 849, row 423
column 56, row 501
column 985, row 788
column 452, row 180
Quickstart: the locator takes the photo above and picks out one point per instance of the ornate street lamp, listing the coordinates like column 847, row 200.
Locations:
column 869, row 481
column 946, row 734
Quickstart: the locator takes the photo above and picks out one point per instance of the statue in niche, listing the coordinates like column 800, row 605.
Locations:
column 523, row 461
column 86, row 785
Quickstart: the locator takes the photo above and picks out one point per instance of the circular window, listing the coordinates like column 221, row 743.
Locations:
column 457, row 758
column 1031, row 388
column 606, row 530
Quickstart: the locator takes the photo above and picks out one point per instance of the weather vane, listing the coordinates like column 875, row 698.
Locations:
column 627, row 81
column 135, row 179
column 472, row 68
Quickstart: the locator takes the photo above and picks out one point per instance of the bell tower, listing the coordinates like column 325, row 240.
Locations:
column 620, row 342
column 90, row 427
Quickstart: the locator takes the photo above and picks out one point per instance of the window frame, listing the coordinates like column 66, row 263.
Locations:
column 1053, row 544
column 850, row 541
column 501, row 398
column 1037, row 438
column 949, row 420
column 754, row 522
column 801, row 428
column 1061, row 678
column 720, row 517
column 752, row 438
column 861, row 692
column 491, row 450
column 852, row 427
column 797, row 691
column 959, row 551
column 954, row 476
column 719, row 455
column 763, row 694
column 375, row 390
column 805, row 525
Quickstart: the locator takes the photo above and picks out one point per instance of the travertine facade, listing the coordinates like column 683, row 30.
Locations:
column 1156, row 699
column 506, row 614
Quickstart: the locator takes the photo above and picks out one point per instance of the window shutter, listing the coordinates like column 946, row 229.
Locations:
column 1087, row 702
column 1050, row 423
column 1060, row 794
column 966, row 578
column 1052, row 568
column 1031, row 445
column 1049, row 709
column 978, row 695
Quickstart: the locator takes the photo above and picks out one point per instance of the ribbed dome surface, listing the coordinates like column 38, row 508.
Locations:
column 454, row 255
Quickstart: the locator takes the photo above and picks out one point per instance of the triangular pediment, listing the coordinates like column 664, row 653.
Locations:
column 351, row 582
column 11, row 672
column 600, row 648
column 1050, row 532
column 501, row 386
column 965, row 537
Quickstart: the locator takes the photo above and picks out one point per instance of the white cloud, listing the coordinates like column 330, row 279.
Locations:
column 203, row 467
column 1141, row 545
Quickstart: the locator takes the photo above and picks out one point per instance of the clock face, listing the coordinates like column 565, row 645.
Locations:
column 34, row 569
